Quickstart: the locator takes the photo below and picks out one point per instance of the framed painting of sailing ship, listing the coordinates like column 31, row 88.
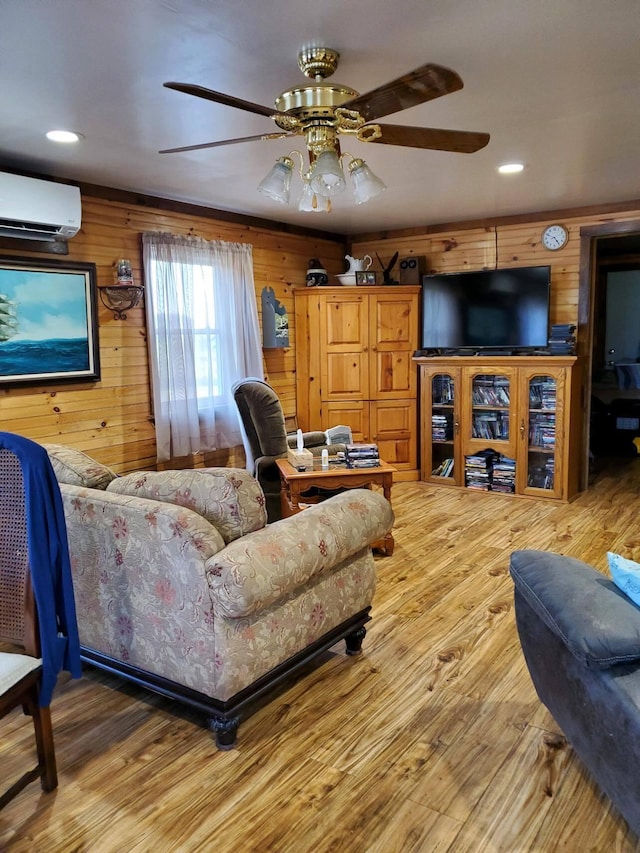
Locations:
column 48, row 322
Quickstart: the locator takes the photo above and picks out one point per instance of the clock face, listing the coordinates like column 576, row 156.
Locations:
column 554, row 237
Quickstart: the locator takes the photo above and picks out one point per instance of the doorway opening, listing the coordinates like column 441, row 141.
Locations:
column 609, row 329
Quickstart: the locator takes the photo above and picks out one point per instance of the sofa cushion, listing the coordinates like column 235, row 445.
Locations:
column 596, row 622
column 229, row 498
column 75, row 468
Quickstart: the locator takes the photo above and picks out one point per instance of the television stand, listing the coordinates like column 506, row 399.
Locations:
column 523, row 408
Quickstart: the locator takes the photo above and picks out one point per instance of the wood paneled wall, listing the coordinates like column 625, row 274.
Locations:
column 511, row 244
column 111, row 419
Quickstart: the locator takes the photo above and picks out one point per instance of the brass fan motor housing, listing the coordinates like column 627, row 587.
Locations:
column 314, row 101
column 318, row 62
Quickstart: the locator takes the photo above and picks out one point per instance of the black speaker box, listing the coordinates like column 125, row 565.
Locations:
column 412, row 269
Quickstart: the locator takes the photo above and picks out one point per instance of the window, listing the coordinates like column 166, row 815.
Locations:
column 203, row 336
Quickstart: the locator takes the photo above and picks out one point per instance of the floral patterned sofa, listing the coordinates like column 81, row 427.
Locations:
column 182, row 587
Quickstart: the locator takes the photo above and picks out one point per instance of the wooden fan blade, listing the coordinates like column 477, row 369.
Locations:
column 262, row 136
column 439, row 139
column 424, row 84
column 220, row 98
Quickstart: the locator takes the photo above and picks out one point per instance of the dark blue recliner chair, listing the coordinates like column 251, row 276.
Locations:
column 580, row 636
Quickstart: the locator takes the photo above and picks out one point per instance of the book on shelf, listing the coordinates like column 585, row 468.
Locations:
column 441, row 427
column 542, row 395
column 542, row 476
column 442, row 389
column 444, row 469
column 490, row 425
column 490, row 471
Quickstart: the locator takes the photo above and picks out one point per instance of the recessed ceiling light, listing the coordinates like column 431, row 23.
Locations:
column 63, row 136
column 510, row 168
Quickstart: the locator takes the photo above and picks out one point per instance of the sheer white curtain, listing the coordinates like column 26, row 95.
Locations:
column 204, row 335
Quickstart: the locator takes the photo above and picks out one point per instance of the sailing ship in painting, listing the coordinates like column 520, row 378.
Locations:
column 8, row 319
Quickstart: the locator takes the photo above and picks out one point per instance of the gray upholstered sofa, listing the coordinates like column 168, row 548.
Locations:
column 182, row 587
column 581, row 641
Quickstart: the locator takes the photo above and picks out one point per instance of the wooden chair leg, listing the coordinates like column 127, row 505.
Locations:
column 45, row 747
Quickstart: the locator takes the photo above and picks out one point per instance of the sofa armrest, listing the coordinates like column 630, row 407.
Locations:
column 597, row 623
column 315, row 442
column 311, row 439
column 267, row 565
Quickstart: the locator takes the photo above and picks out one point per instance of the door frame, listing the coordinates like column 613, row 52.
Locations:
column 589, row 236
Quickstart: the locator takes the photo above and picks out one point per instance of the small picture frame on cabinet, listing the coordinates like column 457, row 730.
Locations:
column 364, row 277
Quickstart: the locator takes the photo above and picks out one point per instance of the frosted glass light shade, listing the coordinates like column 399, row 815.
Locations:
column 366, row 185
column 327, row 177
column 277, row 184
column 310, row 202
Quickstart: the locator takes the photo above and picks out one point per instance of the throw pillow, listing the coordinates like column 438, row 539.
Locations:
column 77, row 469
column 229, row 498
column 625, row 575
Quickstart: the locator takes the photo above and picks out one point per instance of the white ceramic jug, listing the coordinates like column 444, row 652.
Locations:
column 358, row 264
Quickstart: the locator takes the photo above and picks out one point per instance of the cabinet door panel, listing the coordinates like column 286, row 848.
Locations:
column 490, row 406
column 394, row 374
column 343, row 323
column 441, row 458
column 394, row 321
column 354, row 414
column 393, row 332
column 392, row 428
column 345, row 376
column 541, row 457
column 345, row 361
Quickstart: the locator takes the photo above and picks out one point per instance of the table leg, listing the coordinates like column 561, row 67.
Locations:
column 386, row 545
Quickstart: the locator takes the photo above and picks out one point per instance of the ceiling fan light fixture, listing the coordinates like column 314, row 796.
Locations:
column 310, row 202
column 366, row 184
column 327, row 178
column 277, row 184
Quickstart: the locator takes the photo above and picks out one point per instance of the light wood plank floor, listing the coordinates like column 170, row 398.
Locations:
column 431, row 740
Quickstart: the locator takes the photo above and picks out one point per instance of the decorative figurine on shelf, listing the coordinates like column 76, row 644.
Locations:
column 124, row 272
column 316, row 274
column 386, row 271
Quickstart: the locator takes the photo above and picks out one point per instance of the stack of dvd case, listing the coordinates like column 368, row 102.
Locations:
column 562, row 339
column 362, row 456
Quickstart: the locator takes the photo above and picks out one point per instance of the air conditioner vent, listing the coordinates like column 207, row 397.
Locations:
column 9, row 227
column 33, row 209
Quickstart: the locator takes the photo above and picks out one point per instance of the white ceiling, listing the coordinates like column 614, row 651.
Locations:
column 556, row 84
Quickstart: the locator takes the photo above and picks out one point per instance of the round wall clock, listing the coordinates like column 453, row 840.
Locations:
column 554, row 237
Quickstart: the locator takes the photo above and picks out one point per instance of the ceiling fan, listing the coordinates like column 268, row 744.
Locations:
column 322, row 112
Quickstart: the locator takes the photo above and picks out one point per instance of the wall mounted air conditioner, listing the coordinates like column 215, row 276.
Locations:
column 33, row 209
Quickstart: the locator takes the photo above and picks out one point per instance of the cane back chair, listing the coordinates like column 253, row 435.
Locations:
column 20, row 672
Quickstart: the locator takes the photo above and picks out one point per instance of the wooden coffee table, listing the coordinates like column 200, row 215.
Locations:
column 293, row 483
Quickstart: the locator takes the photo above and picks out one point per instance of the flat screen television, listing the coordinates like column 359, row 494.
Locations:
column 504, row 309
